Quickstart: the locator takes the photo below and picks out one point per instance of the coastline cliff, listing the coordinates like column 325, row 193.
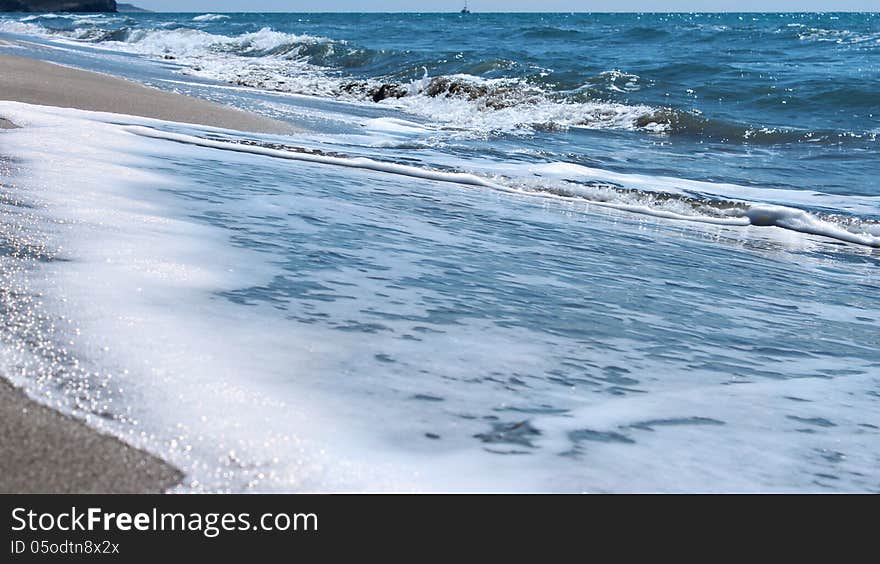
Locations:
column 57, row 5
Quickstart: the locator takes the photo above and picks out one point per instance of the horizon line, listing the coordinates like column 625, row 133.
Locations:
column 455, row 12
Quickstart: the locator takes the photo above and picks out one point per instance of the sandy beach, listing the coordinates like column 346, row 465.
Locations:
column 43, row 450
column 46, row 84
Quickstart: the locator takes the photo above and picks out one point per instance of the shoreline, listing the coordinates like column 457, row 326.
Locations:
column 44, row 450
column 32, row 81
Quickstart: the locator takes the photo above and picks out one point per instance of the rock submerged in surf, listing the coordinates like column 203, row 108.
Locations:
column 496, row 98
column 448, row 87
column 377, row 93
column 388, row 91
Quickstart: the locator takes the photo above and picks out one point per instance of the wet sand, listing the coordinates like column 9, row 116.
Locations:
column 42, row 450
column 46, row 84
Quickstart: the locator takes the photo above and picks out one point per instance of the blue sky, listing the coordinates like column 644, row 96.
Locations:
column 507, row 5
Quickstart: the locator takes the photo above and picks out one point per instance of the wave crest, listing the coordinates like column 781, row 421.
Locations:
column 558, row 180
column 210, row 18
column 320, row 66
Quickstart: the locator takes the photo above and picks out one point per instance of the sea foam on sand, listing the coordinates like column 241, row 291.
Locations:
column 232, row 393
column 137, row 277
column 209, row 386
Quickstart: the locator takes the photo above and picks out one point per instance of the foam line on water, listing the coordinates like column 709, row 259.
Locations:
column 792, row 219
column 804, row 222
column 127, row 256
column 139, row 282
column 407, row 170
column 863, row 205
column 349, row 162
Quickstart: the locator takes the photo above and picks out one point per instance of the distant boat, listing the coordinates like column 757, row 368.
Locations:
column 465, row 9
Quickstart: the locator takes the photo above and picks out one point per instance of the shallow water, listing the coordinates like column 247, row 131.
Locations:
column 711, row 109
column 451, row 306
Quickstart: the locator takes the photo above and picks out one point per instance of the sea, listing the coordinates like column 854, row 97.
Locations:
column 505, row 252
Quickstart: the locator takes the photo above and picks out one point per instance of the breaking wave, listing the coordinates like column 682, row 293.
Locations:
column 564, row 180
column 210, row 18
column 478, row 99
column 310, row 65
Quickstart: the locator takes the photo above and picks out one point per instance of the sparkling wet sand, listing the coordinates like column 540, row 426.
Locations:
column 42, row 450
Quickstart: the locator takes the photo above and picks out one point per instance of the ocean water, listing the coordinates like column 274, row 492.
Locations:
column 541, row 252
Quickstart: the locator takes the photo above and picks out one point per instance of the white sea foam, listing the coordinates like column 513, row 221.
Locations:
column 195, row 46
column 232, row 394
column 219, row 390
column 747, row 214
column 279, row 61
column 743, row 455
column 184, row 42
column 210, row 18
column 839, row 36
column 137, row 277
column 23, row 27
column 53, row 16
column 535, row 111
column 863, row 205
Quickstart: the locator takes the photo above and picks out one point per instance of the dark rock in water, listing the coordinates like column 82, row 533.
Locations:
column 363, row 89
column 494, row 97
column 442, row 86
column 57, row 5
column 388, row 91
column 358, row 89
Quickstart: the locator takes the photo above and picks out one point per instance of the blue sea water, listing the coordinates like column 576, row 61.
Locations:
column 564, row 252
